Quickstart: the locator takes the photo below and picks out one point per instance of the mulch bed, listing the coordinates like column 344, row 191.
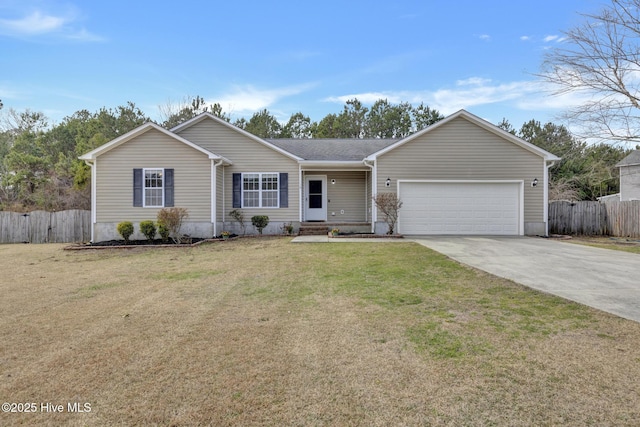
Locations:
column 144, row 242
column 158, row 243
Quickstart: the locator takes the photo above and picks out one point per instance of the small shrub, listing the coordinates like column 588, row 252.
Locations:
column 172, row 219
column 287, row 228
column 238, row 215
column 260, row 222
column 164, row 232
column 148, row 228
column 125, row 229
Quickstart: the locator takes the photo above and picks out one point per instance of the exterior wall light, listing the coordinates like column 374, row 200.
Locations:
column 388, row 182
column 534, row 182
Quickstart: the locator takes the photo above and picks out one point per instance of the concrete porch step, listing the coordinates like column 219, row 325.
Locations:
column 322, row 228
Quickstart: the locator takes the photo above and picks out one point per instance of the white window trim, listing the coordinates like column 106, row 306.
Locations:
column 277, row 206
column 144, row 187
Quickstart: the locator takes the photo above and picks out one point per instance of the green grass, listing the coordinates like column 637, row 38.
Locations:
column 186, row 275
column 93, row 290
column 265, row 332
column 430, row 337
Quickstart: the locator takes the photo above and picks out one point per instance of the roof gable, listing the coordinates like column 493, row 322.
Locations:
column 204, row 116
column 478, row 122
column 140, row 130
column 632, row 159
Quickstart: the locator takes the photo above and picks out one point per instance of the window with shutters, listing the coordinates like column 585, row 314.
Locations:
column 153, row 188
column 260, row 190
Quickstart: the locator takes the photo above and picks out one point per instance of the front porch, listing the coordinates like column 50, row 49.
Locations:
column 340, row 196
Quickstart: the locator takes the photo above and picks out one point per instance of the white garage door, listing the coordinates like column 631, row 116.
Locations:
column 491, row 208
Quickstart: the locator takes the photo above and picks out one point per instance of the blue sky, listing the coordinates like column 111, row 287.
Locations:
column 58, row 57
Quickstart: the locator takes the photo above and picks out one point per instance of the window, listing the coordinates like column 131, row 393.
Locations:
column 153, row 188
column 260, row 190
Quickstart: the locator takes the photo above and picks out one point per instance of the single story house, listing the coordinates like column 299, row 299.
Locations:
column 462, row 175
column 630, row 176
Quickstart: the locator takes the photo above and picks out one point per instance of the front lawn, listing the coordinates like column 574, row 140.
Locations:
column 261, row 331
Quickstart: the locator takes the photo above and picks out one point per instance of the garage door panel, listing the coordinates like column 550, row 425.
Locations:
column 460, row 208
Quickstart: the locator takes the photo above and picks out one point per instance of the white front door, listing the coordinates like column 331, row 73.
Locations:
column 315, row 190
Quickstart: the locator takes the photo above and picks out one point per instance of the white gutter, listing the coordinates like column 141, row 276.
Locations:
column 330, row 162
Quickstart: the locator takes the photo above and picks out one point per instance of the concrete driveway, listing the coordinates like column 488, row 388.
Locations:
column 604, row 279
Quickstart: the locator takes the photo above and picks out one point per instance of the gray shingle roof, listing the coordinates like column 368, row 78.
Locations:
column 332, row 149
column 631, row 159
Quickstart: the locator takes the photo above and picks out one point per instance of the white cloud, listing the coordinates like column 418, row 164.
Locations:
column 474, row 91
column 37, row 23
column 525, row 38
column 485, row 37
column 551, row 38
column 84, row 36
column 368, row 97
column 482, row 93
column 473, row 81
column 248, row 99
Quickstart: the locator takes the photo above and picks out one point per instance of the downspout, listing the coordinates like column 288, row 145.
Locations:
column 93, row 196
column 214, row 193
column 300, row 185
column 546, row 197
column 374, row 189
column 366, row 195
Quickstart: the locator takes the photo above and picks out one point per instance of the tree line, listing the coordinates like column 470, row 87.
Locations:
column 382, row 120
column 40, row 169
column 584, row 172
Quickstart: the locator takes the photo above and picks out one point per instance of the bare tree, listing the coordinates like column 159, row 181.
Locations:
column 174, row 113
column 389, row 204
column 600, row 59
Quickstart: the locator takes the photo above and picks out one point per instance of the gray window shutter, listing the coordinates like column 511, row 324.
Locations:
column 284, row 190
column 168, row 188
column 137, row 188
column 237, row 190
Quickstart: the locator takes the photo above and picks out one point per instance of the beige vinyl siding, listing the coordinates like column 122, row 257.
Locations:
column 153, row 149
column 461, row 150
column 630, row 182
column 348, row 194
column 247, row 155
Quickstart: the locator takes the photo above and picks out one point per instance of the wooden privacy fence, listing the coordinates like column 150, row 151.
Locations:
column 620, row 219
column 45, row 227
